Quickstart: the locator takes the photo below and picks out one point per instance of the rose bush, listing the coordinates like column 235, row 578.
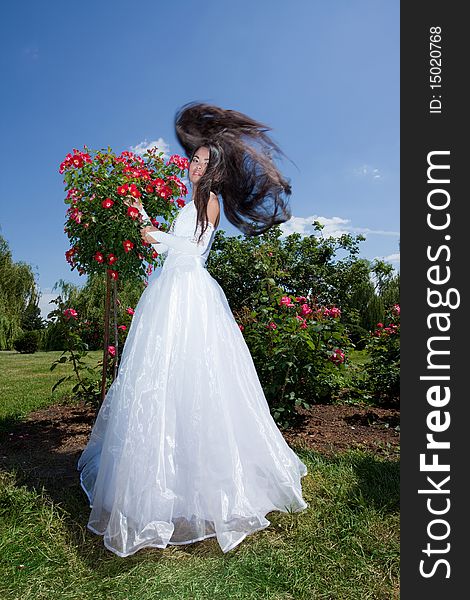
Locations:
column 298, row 348
column 67, row 325
column 383, row 370
column 104, row 228
column 104, row 231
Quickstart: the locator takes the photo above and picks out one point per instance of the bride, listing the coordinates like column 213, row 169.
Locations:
column 184, row 446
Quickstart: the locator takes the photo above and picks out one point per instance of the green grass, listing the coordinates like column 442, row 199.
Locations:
column 353, row 378
column 358, row 357
column 26, row 381
column 345, row 546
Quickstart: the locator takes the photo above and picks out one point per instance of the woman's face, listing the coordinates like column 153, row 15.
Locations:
column 198, row 164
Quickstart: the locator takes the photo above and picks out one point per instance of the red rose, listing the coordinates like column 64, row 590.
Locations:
column 113, row 274
column 182, row 188
column 149, row 189
column 107, row 203
column 129, row 310
column 70, row 253
column 123, row 190
column 99, row 257
column 128, row 245
column 77, row 161
column 134, row 191
column 165, row 191
column 180, row 202
column 132, row 212
column 112, row 258
column 181, row 162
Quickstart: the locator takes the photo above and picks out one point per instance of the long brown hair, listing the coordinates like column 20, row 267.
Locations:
column 241, row 168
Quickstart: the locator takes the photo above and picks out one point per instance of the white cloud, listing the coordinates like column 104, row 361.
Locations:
column 44, row 306
column 367, row 231
column 393, row 258
column 368, row 171
column 333, row 227
column 142, row 147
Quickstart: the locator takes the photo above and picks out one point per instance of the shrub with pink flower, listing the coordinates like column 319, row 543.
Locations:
column 332, row 312
column 298, row 348
column 70, row 312
column 337, row 356
column 286, row 301
column 383, row 369
column 65, row 327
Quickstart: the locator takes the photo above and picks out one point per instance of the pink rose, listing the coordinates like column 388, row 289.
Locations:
column 70, row 312
column 286, row 301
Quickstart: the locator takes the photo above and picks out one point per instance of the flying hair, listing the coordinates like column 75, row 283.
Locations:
column 241, row 167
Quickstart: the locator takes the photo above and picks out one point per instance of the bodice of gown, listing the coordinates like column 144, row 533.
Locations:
column 184, row 227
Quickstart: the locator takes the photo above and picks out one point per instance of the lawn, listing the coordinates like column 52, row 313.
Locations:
column 345, row 546
column 26, row 381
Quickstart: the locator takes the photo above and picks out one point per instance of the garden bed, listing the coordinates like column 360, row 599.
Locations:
column 47, row 444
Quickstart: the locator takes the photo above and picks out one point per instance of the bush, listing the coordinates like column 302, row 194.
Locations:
column 27, row 342
column 53, row 337
column 298, row 350
column 383, row 370
column 358, row 335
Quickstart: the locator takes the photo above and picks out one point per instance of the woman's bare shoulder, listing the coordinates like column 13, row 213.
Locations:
column 213, row 209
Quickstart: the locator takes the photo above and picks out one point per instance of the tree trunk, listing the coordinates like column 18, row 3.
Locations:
column 107, row 311
column 116, row 333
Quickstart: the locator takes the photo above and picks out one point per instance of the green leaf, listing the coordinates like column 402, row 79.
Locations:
column 61, row 380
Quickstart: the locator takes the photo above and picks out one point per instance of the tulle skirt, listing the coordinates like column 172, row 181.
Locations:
column 184, row 446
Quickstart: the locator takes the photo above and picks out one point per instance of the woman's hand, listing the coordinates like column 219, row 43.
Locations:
column 144, row 233
column 130, row 201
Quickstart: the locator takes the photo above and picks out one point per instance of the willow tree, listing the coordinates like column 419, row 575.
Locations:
column 18, row 295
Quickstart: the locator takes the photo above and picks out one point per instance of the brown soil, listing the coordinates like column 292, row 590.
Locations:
column 45, row 447
column 333, row 428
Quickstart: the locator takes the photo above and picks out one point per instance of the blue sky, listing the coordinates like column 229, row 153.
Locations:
column 323, row 74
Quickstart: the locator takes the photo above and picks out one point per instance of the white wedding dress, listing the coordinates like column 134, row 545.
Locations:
column 184, row 446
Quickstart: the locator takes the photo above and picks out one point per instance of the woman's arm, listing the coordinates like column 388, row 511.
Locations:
column 158, row 247
column 186, row 245
column 191, row 245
